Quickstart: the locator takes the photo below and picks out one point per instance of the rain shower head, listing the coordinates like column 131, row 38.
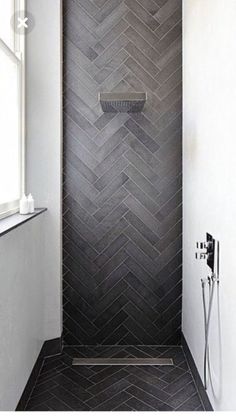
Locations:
column 122, row 102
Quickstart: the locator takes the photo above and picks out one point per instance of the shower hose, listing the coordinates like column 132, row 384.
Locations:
column 211, row 281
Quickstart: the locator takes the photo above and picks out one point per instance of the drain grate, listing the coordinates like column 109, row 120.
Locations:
column 122, row 361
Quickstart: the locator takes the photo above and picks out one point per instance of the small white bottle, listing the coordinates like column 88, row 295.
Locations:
column 24, row 206
column 31, row 204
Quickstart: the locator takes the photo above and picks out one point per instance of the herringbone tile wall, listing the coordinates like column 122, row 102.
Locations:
column 122, row 173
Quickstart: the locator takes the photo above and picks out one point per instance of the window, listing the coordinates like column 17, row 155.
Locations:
column 12, row 113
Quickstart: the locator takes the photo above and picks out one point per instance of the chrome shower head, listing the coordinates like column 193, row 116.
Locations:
column 122, row 102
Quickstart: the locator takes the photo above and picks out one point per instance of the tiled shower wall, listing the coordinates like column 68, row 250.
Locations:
column 122, row 173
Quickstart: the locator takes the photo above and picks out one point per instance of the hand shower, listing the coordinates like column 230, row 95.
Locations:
column 211, row 281
column 211, row 255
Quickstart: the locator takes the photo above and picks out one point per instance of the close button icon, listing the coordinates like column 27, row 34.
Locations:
column 22, row 23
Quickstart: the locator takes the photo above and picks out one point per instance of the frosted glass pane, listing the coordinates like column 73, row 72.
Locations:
column 6, row 30
column 9, row 130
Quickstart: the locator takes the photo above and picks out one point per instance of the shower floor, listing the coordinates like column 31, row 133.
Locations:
column 63, row 387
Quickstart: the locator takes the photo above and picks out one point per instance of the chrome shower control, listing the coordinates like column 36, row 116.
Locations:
column 209, row 250
column 201, row 255
column 201, row 245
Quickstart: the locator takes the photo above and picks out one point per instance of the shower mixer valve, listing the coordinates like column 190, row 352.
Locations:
column 207, row 247
column 209, row 250
column 201, row 255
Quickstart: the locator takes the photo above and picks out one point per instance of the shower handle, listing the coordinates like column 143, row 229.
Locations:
column 207, row 246
column 202, row 254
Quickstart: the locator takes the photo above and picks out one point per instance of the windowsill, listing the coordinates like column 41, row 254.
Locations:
column 13, row 221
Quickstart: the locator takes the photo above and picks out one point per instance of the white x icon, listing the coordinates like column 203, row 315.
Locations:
column 22, row 23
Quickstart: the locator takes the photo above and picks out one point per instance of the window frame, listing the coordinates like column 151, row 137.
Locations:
column 17, row 55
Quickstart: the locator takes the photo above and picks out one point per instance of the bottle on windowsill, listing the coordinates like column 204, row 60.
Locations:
column 30, row 204
column 24, row 206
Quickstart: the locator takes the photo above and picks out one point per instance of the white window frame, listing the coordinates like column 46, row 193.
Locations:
column 17, row 55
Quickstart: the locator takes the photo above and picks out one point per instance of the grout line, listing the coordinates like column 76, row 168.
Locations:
column 34, row 384
column 124, row 402
column 146, row 71
column 202, row 404
column 150, row 30
column 147, row 180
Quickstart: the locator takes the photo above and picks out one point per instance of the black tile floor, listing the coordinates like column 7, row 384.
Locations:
column 63, row 387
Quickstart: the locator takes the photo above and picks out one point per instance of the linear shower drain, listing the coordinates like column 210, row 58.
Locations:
column 122, row 361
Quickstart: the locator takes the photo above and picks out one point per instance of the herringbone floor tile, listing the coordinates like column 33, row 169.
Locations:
column 63, row 387
column 122, row 215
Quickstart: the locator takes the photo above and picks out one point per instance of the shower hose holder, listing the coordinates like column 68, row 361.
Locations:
column 209, row 251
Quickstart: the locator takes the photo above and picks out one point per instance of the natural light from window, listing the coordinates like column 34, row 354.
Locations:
column 11, row 108
column 6, row 30
column 9, row 129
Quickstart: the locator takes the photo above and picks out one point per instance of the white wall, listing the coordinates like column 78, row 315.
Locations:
column 210, row 182
column 22, row 258
column 30, row 256
column 44, row 141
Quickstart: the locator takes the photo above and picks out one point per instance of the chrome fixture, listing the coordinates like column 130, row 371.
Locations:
column 211, row 255
column 209, row 251
column 122, row 102
column 123, row 361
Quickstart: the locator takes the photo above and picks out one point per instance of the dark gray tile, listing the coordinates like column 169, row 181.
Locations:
column 141, row 74
column 110, row 266
column 107, row 9
column 169, row 23
column 110, row 311
column 143, row 214
column 110, row 21
column 113, row 33
column 112, row 403
column 108, row 162
column 111, row 66
column 109, row 52
column 138, row 193
column 138, row 132
column 122, row 178
column 191, row 404
column 103, row 120
column 111, row 235
column 69, row 399
column 180, row 397
column 167, row 9
column 143, row 14
column 116, row 170
column 82, row 122
column 134, row 20
column 111, row 203
column 90, row 114
column 142, row 182
column 137, row 292
column 141, row 242
column 138, row 405
column 141, row 227
column 137, row 254
column 111, row 189
column 55, row 404
column 79, row 165
column 158, row 405
column 70, row 385
column 140, row 164
column 114, row 128
column 142, row 59
column 109, row 221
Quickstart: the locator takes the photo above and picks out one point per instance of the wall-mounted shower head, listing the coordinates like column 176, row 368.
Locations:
column 122, row 102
